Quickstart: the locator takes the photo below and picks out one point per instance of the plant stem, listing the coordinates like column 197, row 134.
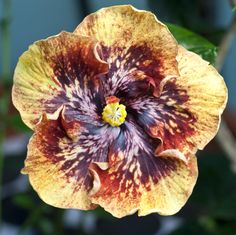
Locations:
column 225, row 137
column 2, row 131
column 6, row 60
column 6, row 44
column 226, row 44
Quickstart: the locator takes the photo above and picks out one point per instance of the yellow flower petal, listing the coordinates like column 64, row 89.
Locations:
column 207, row 95
column 133, row 37
column 124, row 190
column 138, row 180
column 186, row 115
column 144, row 162
column 56, row 71
column 58, row 167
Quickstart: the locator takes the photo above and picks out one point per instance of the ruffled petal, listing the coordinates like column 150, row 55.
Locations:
column 59, row 70
column 58, row 167
column 133, row 51
column 186, row 116
column 207, row 95
column 137, row 180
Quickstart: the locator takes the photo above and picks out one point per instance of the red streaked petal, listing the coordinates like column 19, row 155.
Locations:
column 186, row 115
column 57, row 171
column 167, row 117
column 73, row 120
column 138, row 180
column 59, row 70
column 132, row 70
column 133, row 53
column 207, row 95
column 58, row 166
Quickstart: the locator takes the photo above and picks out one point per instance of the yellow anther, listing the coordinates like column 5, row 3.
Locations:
column 114, row 113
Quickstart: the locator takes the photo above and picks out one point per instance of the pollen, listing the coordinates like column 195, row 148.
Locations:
column 114, row 113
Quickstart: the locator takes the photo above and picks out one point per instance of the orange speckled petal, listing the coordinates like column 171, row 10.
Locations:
column 137, row 180
column 60, row 70
column 132, row 50
column 56, row 170
column 207, row 95
column 58, row 162
column 186, row 115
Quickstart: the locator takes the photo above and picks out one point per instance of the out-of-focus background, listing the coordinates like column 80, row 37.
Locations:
column 211, row 209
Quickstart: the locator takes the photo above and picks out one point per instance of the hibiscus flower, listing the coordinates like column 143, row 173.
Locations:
column 118, row 111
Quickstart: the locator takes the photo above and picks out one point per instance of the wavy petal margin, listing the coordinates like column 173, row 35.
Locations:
column 56, row 170
column 207, row 93
column 59, row 167
column 59, row 70
column 130, row 47
column 147, row 164
column 137, row 180
column 186, row 115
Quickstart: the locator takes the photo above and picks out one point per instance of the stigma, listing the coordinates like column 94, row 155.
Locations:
column 114, row 113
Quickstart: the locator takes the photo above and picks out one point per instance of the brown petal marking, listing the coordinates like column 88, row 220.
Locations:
column 186, row 115
column 138, row 180
column 166, row 117
column 59, row 70
column 73, row 118
column 124, row 28
column 51, row 164
column 76, row 60
column 207, row 95
column 132, row 71
column 58, row 167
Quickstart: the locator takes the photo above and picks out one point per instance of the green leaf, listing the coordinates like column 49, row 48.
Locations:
column 234, row 8
column 194, row 42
